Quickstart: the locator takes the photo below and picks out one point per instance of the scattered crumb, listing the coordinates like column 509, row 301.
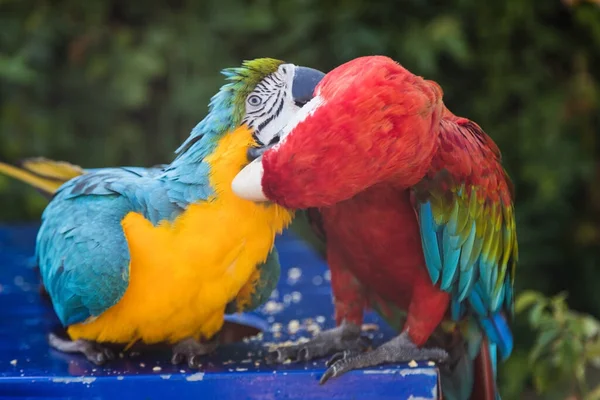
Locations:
column 142, row 365
column 228, row 362
column 288, row 361
column 198, row 376
column 257, row 363
column 120, row 378
column 277, row 335
column 165, row 377
column 413, row 364
column 320, row 319
column 276, row 327
column 182, row 371
column 313, row 328
column 296, row 297
column 157, row 369
column 370, row 327
column 294, row 273
column 13, row 362
column 273, row 307
column 293, row 326
column 241, row 369
column 246, row 361
column 431, row 363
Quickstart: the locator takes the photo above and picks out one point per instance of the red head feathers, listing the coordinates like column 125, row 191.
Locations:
column 370, row 120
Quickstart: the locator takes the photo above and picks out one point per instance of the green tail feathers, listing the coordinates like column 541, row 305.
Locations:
column 43, row 174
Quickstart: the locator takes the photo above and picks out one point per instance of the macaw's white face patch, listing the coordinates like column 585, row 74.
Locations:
column 271, row 104
column 247, row 184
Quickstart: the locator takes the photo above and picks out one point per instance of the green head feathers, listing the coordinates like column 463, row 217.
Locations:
column 226, row 109
column 243, row 80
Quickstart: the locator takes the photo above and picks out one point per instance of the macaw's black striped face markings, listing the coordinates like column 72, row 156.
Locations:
column 273, row 102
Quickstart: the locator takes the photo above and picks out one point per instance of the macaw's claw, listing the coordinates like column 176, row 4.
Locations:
column 399, row 349
column 93, row 351
column 192, row 350
column 345, row 337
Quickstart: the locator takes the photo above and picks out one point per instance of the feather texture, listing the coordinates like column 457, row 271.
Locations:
column 466, row 200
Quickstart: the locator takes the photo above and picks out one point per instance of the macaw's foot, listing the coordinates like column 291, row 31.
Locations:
column 93, row 351
column 399, row 349
column 344, row 338
column 192, row 350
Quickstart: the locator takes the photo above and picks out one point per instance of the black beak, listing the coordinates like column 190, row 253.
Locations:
column 255, row 152
column 303, row 89
column 305, row 82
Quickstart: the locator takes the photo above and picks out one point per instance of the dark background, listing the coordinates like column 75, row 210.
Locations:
column 106, row 83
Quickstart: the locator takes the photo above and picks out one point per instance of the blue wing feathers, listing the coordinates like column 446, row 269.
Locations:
column 452, row 253
column 81, row 248
column 429, row 240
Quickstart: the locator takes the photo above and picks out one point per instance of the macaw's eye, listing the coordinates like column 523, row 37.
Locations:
column 254, row 100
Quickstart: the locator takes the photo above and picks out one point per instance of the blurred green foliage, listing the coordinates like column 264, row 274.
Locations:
column 567, row 347
column 105, row 83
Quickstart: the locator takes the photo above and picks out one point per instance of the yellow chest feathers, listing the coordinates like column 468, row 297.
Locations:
column 183, row 273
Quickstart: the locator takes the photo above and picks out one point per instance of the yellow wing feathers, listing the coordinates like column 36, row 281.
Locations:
column 43, row 174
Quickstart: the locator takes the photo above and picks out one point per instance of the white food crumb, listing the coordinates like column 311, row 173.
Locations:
column 13, row 362
column 156, row 369
column 294, row 273
column 198, row 376
column 272, row 307
column 296, row 297
column 293, row 326
column 413, row 364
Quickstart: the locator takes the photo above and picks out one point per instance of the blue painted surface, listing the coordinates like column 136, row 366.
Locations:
column 301, row 305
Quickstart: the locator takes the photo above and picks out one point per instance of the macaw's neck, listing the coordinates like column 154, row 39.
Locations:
column 214, row 173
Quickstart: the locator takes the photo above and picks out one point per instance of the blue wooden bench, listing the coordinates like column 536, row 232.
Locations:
column 301, row 306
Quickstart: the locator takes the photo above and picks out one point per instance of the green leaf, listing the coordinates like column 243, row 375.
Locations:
column 527, row 299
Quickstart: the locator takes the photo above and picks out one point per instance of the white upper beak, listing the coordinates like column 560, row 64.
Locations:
column 247, row 184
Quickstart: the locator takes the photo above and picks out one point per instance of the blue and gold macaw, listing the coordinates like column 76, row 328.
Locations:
column 160, row 254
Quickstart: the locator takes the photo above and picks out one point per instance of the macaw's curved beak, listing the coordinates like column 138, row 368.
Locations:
column 303, row 89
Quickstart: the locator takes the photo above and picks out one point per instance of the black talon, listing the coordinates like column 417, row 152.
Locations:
column 93, row 351
column 399, row 349
column 328, row 374
column 344, row 337
column 192, row 350
column 177, row 359
column 303, row 354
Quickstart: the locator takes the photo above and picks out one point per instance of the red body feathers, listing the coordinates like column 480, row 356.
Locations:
column 377, row 145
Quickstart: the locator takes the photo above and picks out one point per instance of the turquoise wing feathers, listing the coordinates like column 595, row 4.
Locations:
column 81, row 249
column 468, row 231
